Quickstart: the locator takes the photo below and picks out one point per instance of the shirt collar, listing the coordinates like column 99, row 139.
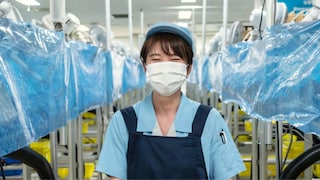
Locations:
column 147, row 118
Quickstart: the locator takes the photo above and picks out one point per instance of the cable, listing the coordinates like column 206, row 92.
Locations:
column 34, row 160
column 289, row 148
column 302, row 162
column 261, row 17
column 278, row 144
column 1, row 167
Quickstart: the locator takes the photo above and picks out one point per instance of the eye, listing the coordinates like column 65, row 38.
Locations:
column 155, row 59
column 176, row 59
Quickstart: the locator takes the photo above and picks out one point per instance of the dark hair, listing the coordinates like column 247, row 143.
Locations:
column 168, row 41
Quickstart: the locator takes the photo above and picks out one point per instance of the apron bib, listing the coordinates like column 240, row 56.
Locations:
column 161, row 157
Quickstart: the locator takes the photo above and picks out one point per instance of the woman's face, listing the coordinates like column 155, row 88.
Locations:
column 156, row 54
column 166, row 44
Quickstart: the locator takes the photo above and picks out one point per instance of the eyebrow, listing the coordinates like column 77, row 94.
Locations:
column 154, row 54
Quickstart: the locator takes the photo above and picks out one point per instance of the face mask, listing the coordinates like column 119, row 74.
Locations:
column 166, row 77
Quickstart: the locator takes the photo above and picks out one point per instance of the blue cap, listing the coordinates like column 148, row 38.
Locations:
column 183, row 32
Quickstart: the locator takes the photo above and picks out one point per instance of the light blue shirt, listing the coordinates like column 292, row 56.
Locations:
column 222, row 160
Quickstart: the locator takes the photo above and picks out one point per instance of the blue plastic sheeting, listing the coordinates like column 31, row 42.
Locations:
column 45, row 81
column 117, row 66
column 205, row 80
column 90, row 79
column 277, row 78
column 32, row 98
column 193, row 77
column 215, row 72
column 133, row 76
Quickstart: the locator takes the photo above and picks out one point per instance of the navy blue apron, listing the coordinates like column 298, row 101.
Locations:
column 161, row 157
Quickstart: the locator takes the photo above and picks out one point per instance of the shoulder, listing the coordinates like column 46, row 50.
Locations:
column 117, row 122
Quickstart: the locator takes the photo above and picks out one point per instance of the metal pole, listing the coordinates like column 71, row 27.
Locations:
column 57, row 15
column 203, row 97
column 100, row 111
column 130, row 25
column 204, row 14
column 72, row 149
column 108, row 24
column 278, row 149
column 270, row 9
column 53, row 151
column 254, row 157
column 225, row 22
column 141, row 35
column 236, row 120
column 79, row 150
column 308, row 145
column 224, row 107
column 141, row 22
column 193, row 20
column 263, row 155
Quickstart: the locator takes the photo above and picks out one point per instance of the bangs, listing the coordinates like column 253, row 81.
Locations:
column 170, row 44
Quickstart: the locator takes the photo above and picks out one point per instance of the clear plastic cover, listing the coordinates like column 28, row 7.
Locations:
column 33, row 92
column 133, row 75
column 46, row 81
column 90, row 78
column 278, row 77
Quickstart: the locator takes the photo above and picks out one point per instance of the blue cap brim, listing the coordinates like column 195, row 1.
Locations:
column 183, row 32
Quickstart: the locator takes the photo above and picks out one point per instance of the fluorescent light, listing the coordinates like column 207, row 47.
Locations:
column 183, row 24
column 188, row 1
column 184, row 14
column 29, row 2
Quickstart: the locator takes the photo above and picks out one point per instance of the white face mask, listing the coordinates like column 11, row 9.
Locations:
column 166, row 77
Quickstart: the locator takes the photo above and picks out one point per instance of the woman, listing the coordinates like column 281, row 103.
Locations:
column 167, row 135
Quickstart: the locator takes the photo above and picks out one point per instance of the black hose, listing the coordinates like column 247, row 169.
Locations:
column 302, row 162
column 34, row 160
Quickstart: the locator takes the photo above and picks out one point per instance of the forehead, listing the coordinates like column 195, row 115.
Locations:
column 158, row 48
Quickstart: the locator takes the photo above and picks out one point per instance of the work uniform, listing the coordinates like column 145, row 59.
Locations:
column 155, row 157
column 221, row 157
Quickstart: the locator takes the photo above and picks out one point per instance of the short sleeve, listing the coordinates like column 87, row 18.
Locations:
column 112, row 160
column 222, row 157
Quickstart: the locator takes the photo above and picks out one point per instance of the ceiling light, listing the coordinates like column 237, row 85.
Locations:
column 29, row 2
column 188, row 1
column 184, row 14
column 183, row 24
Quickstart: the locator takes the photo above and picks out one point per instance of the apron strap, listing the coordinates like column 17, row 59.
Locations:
column 130, row 118
column 199, row 120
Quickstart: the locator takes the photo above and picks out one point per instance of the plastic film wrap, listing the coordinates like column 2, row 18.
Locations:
column 45, row 81
column 31, row 82
column 277, row 78
column 90, row 78
column 133, row 75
